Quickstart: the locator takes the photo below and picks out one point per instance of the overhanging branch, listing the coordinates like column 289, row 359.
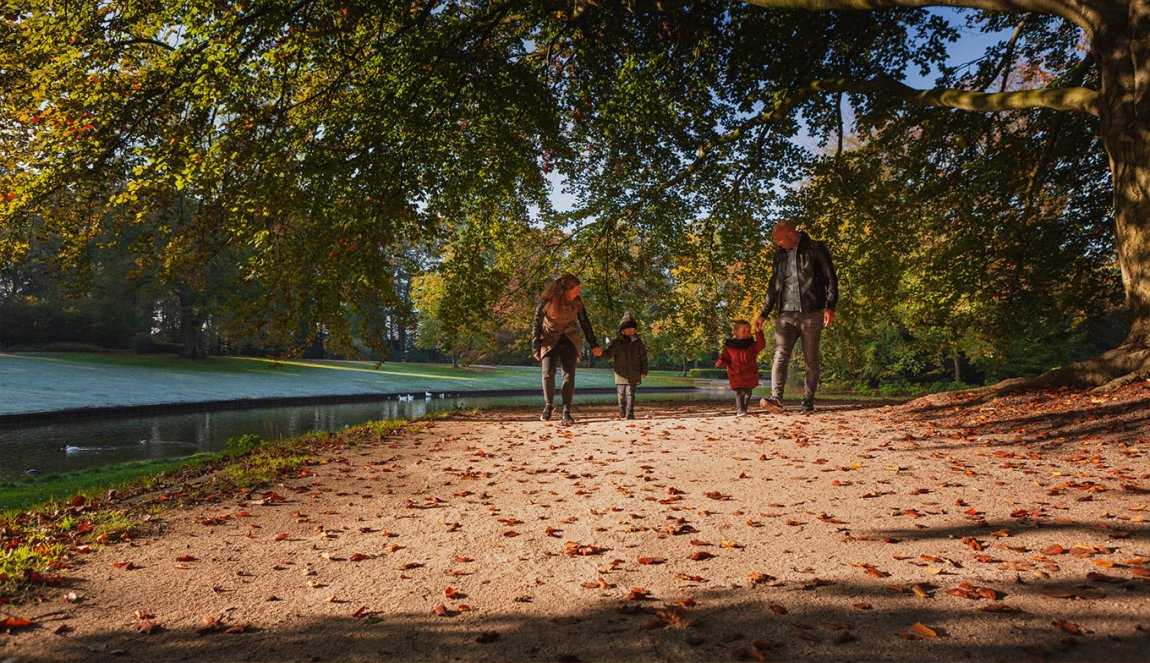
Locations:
column 1085, row 14
column 1080, row 99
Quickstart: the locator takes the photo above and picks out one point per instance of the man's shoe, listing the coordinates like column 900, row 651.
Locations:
column 567, row 418
column 631, row 415
column 773, row 403
column 546, row 416
column 740, row 413
column 808, row 406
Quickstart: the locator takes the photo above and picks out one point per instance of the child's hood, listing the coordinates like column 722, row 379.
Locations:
column 626, row 321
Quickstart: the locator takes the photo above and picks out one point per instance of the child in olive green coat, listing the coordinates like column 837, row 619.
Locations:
column 630, row 357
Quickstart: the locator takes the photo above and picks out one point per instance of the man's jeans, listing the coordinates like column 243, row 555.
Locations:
column 790, row 326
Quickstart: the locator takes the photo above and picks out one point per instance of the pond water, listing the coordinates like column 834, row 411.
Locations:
column 75, row 445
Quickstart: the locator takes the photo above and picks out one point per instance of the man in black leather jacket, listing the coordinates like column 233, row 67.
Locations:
column 803, row 292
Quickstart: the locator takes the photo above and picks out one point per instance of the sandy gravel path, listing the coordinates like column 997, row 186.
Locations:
column 892, row 533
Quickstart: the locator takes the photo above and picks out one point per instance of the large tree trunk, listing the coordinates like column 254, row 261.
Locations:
column 191, row 327
column 1123, row 52
column 1122, row 48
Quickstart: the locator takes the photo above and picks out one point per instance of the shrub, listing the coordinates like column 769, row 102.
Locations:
column 243, row 444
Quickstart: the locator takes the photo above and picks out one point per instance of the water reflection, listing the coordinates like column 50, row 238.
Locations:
column 69, row 446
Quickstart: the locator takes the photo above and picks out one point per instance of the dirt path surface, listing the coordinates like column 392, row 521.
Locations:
column 1008, row 530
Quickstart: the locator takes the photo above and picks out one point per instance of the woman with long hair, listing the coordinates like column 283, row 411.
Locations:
column 556, row 341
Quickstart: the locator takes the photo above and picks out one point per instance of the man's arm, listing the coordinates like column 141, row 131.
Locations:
column 826, row 265
column 830, row 279
column 769, row 302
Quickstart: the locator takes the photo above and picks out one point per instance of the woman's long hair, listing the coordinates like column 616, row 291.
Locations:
column 554, row 297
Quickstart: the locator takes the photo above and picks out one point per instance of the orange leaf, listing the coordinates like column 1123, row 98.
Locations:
column 674, row 616
column 1069, row 627
column 16, row 622
column 700, row 555
column 652, row 560
column 146, row 627
column 804, row 633
column 924, row 630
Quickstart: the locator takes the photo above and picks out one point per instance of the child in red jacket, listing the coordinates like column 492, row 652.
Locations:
column 741, row 357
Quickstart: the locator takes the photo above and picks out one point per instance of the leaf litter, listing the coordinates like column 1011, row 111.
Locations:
column 1004, row 511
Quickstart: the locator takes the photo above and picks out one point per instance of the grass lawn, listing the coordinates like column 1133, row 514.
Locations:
column 54, row 381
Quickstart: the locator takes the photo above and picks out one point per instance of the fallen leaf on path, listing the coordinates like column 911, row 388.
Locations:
column 16, row 622
column 673, row 615
column 804, row 633
column 919, row 630
column 1068, row 627
column 147, row 627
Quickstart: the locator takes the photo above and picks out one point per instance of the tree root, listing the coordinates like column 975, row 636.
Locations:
column 1106, row 372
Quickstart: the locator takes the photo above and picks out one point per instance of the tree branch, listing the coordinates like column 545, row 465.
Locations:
column 1085, row 14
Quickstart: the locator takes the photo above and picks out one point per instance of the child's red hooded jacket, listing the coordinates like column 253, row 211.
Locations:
column 741, row 357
